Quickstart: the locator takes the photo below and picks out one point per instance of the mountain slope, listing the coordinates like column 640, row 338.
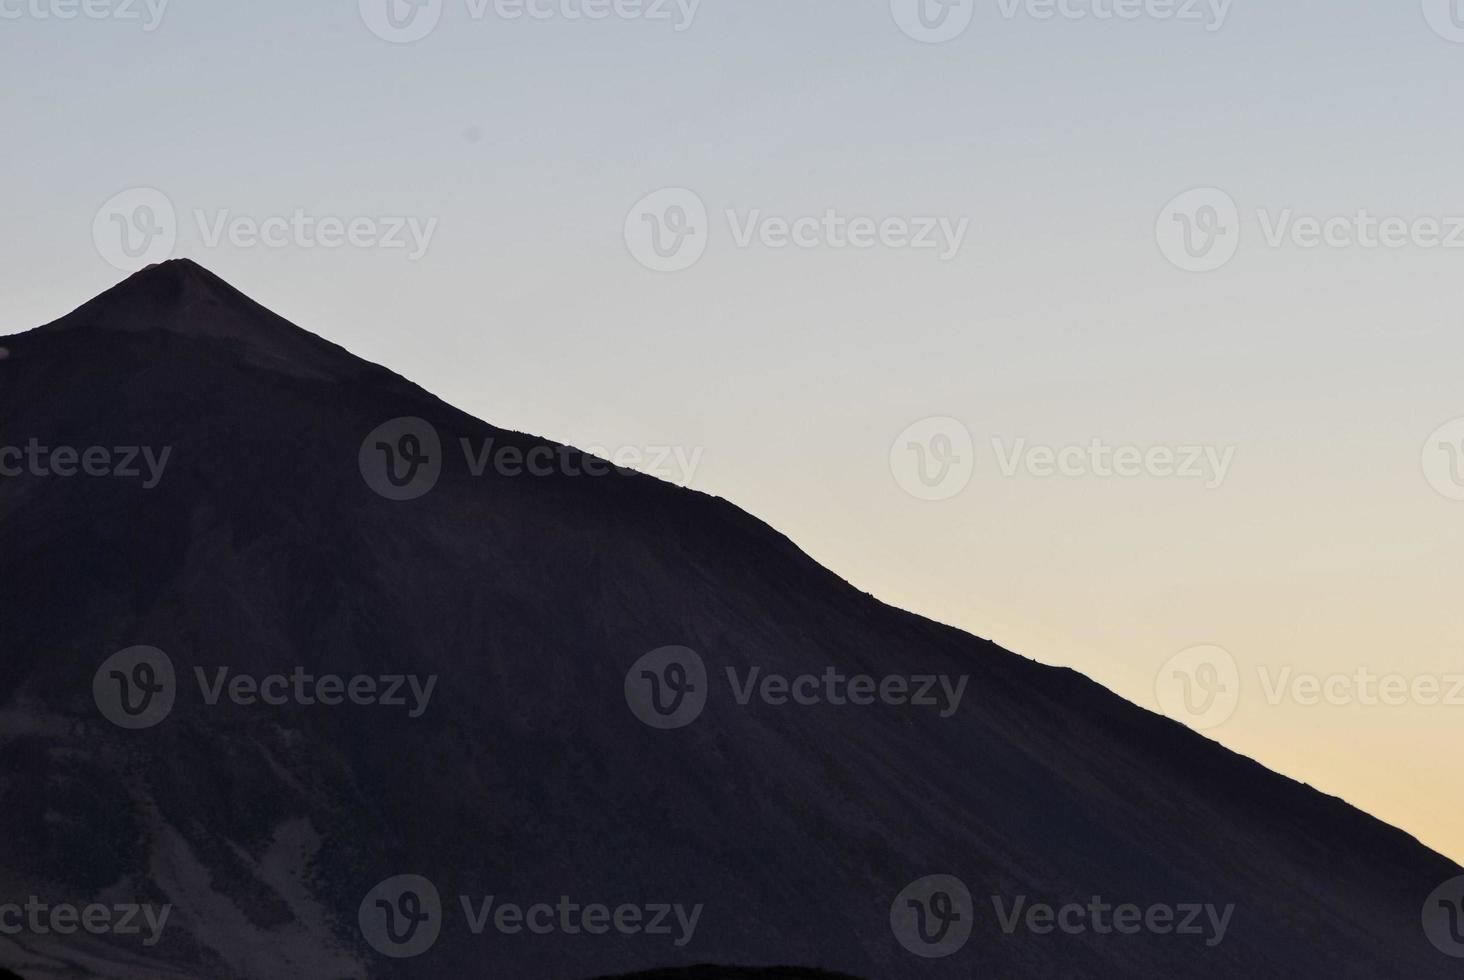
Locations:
column 261, row 549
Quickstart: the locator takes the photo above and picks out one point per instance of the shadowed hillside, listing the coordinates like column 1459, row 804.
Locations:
column 277, row 827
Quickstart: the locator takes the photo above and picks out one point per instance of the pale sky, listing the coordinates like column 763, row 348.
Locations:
column 519, row 149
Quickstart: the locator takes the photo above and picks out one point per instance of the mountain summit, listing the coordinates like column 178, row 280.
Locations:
column 352, row 686
column 180, row 296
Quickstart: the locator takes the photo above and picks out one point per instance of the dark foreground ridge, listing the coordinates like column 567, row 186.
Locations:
column 689, row 973
column 729, row 973
column 260, row 548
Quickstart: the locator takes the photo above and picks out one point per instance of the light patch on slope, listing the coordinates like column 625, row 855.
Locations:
column 305, row 947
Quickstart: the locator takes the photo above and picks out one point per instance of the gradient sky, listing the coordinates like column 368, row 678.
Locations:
column 1059, row 322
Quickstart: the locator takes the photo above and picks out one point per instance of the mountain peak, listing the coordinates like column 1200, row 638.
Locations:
column 176, row 270
column 183, row 298
column 179, row 266
column 162, row 296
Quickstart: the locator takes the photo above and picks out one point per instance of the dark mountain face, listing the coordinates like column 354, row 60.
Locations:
column 331, row 733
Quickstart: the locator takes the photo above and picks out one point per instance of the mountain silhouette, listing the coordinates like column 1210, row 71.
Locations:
column 289, row 524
